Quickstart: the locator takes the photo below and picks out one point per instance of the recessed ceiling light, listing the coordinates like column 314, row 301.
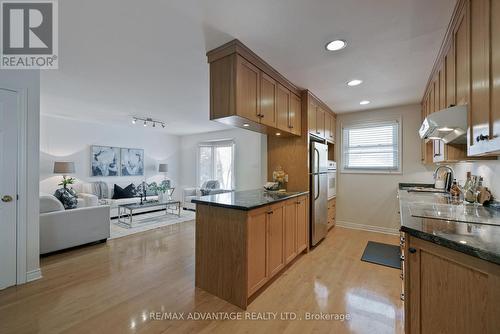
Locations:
column 354, row 82
column 246, row 125
column 463, row 242
column 278, row 133
column 364, row 102
column 134, row 121
column 336, row 45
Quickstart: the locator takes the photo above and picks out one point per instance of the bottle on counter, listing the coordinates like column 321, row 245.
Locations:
column 455, row 191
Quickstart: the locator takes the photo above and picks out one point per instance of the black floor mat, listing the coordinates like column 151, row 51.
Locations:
column 383, row 254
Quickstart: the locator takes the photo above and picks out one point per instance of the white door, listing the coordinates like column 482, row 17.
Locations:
column 8, row 187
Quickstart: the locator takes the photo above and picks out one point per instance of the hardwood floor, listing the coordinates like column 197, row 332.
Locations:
column 113, row 288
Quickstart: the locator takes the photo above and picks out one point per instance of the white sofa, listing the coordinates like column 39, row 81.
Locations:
column 86, row 188
column 61, row 229
column 191, row 193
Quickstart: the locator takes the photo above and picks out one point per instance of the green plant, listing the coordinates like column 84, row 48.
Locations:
column 66, row 181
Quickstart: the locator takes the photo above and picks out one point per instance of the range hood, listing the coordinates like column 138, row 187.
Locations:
column 448, row 125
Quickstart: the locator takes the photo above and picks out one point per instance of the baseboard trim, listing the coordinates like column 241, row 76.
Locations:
column 370, row 228
column 33, row 275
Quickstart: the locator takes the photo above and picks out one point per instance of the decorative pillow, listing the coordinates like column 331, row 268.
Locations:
column 205, row 192
column 127, row 192
column 151, row 190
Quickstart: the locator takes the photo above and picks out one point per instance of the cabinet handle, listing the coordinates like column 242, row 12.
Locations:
column 412, row 250
column 401, row 276
column 402, row 257
column 270, row 212
column 402, row 297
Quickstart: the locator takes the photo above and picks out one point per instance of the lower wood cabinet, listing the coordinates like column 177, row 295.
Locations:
column 332, row 210
column 446, row 291
column 239, row 251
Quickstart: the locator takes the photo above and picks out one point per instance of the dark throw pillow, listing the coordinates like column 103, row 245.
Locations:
column 127, row 192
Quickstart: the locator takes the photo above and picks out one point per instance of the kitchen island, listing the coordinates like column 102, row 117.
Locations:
column 246, row 238
column 451, row 265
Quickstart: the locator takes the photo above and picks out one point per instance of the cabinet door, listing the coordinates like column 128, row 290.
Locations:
column 432, row 97
column 290, row 230
column 320, row 122
column 450, row 76
column 495, row 74
column 462, row 49
column 267, row 100
column 275, row 239
column 479, row 111
column 295, row 116
column 302, row 224
column 282, row 108
column 328, row 126
column 442, row 87
column 256, row 249
column 333, row 129
column 248, row 90
column 311, row 118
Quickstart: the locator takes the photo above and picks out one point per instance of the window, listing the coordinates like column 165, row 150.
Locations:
column 371, row 147
column 216, row 162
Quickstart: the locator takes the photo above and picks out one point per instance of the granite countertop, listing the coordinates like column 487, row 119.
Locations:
column 248, row 199
column 477, row 233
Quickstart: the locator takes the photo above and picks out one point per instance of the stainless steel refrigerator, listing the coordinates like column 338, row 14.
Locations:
column 319, row 191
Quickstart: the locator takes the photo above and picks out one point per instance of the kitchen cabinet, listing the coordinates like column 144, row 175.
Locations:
column 239, row 251
column 283, row 108
column 276, row 238
column 302, row 204
column 246, row 92
column 288, row 111
column 450, row 84
column 446, row 291
column 319, row 118
column 257, row 232
column 294, row 115
column 332, row 209
column 462, row 49
column 267, row 100
column 330, row 123
column 442, row 88
column 290, row 230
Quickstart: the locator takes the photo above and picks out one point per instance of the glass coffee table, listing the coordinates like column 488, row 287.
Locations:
column 126, row 211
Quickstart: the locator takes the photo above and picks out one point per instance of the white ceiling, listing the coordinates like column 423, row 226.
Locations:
column 120, row 58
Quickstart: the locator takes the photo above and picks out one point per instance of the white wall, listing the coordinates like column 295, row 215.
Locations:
column 489, row 170
column 250, row 157
column 70, row 140
column 29, row 80
column 369, row 200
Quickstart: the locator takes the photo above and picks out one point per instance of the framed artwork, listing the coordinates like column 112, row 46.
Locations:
column 105, row 161
column 132, row 162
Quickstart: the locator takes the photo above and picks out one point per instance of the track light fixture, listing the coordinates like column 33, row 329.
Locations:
column 147, row 121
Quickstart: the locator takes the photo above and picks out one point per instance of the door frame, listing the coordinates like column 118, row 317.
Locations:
column 22, row 183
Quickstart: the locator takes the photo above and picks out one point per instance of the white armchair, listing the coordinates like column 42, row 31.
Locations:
column 207, row 188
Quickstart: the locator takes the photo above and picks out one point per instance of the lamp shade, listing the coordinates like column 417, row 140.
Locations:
column 64, row 167
column 163, row 168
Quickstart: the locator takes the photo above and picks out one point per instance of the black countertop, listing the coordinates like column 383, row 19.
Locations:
column 246, row 200
column 475, row 239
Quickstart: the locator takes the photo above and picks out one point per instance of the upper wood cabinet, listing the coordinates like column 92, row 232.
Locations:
column 450, row 84
column 467, row 72
column 246, row 92
column 288, row 111
column 294, row 115
column 319, row 118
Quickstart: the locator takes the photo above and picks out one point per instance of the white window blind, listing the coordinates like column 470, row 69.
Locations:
column 216, row 162
column 371, row 146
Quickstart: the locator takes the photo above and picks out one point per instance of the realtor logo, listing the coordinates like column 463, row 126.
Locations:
column 29, row 37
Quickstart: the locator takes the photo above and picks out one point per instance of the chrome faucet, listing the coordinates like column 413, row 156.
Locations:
column 448, row 168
